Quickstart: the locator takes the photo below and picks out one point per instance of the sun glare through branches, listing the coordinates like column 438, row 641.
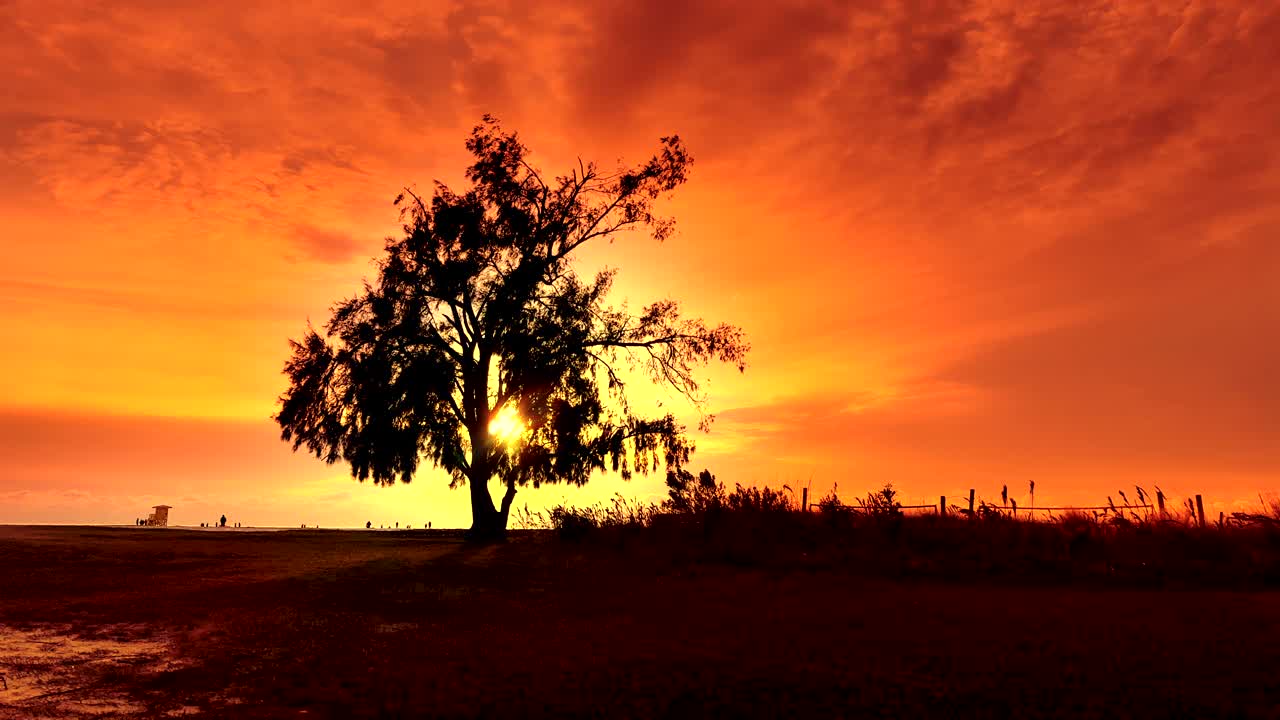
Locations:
column 506, row 425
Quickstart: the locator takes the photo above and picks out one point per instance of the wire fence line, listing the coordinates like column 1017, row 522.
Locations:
column 976, row 505
column 983, row 504
column 994, row 508
column 1011, row 506
column 1117, row 508
column 895, row 505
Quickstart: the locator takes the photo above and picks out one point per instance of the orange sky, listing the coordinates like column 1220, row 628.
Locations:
column 972, row 243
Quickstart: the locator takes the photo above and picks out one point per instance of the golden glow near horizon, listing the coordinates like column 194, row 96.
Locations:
column 507, row 425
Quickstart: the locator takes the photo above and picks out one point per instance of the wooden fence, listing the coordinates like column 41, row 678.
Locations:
column 941, row 507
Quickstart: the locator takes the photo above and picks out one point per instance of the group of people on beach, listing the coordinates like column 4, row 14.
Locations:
column 222, row 522
column 369, row 526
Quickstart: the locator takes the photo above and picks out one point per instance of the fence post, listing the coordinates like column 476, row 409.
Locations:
column 804, row 498
column 942, row 505
column 970, row 502
column 1200, row 509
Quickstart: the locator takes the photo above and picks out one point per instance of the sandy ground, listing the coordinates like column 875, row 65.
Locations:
column 135, row 622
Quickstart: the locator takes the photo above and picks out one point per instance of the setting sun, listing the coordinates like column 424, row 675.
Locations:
column 506, row 424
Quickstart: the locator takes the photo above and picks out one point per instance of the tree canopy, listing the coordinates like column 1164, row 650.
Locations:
column 478, row 317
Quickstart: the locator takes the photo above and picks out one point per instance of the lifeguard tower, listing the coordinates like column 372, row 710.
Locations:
column 159, row 518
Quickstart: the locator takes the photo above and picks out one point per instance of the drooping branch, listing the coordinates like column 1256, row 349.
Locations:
column 672, row 347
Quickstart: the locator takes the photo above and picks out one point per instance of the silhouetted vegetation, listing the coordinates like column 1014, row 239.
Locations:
column 702, row 521
column 687, row 494
column 478, row 311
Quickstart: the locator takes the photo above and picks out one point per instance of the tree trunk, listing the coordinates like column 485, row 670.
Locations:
column 488, row 524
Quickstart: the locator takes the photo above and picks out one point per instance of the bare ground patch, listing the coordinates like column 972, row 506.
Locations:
column 51, row 671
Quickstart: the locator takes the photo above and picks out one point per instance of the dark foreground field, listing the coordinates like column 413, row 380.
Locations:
column 156, row 623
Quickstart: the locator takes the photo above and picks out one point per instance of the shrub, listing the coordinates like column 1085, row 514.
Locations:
column 883, row 501
column 687, row 494
column 744, row 499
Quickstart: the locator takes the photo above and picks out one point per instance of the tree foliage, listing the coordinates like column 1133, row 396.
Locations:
column 478, row 308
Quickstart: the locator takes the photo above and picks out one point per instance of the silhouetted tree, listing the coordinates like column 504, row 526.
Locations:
column 477, row 310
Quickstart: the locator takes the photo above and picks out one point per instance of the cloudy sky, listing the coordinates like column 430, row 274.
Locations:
column 972, row 243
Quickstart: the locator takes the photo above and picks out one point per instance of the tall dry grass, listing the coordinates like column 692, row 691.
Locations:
column 1127, row 543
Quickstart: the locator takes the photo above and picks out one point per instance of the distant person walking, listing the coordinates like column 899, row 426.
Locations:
column 223, row 521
